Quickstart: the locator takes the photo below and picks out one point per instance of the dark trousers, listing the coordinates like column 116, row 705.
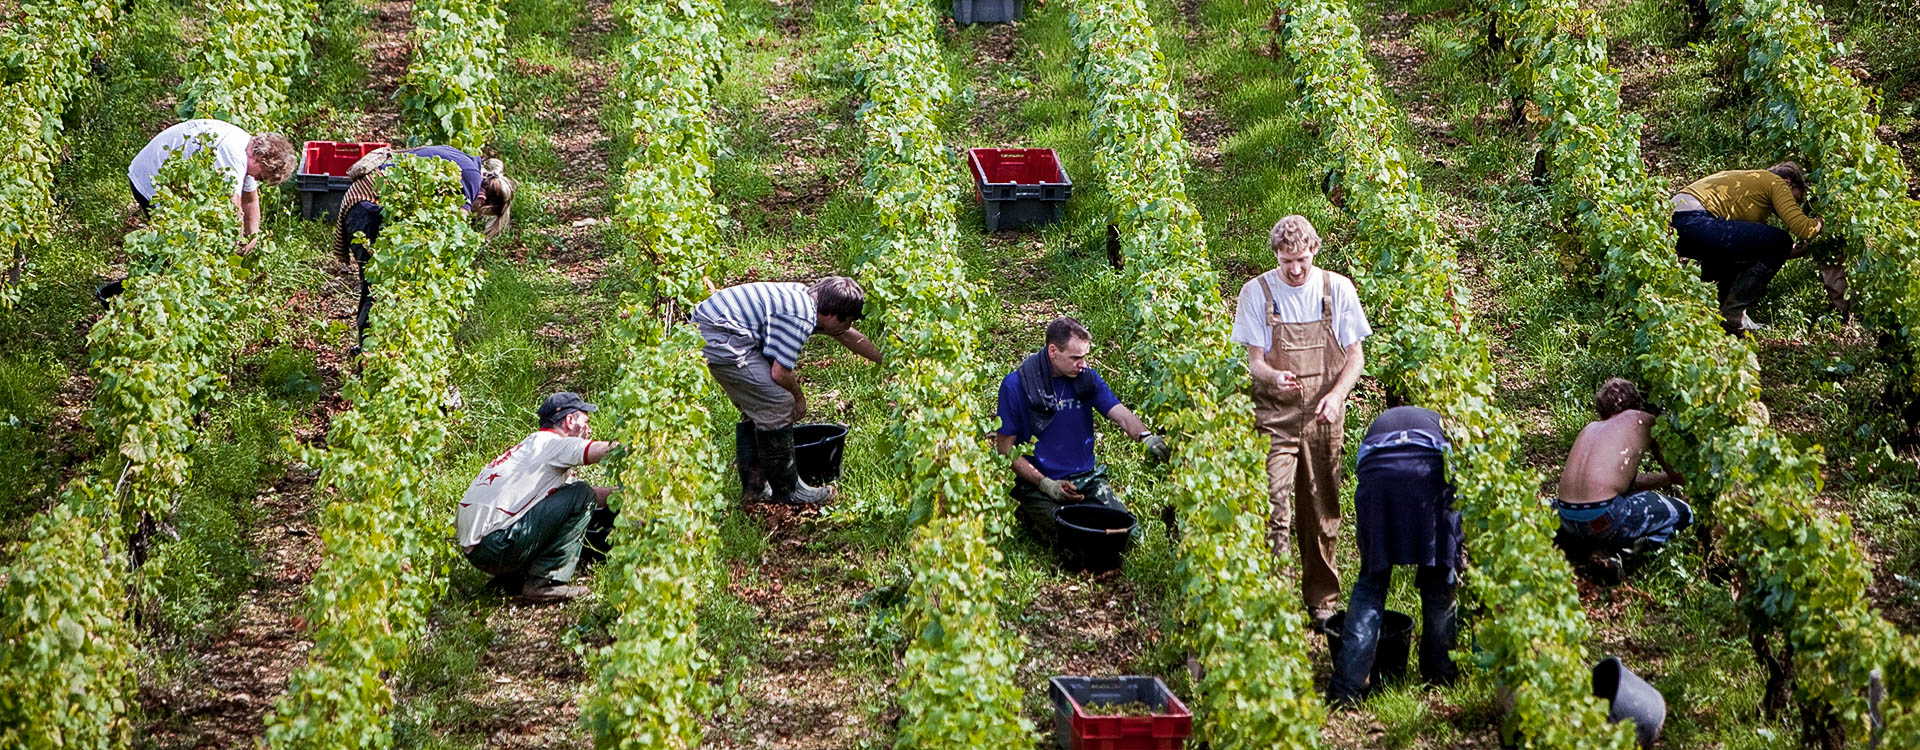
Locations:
column 365, row 217
column 1036, row 509
column 545, row 542
column 1360, row 633
column 115, row 287
column 1739, row 257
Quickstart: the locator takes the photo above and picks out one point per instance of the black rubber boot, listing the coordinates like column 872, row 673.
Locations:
column 776, row 459
column 753, row 481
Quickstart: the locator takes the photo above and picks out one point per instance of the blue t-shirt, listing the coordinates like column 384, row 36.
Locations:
column 1066, row 448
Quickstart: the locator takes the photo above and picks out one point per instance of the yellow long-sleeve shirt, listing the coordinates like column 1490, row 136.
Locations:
column 1751, row 195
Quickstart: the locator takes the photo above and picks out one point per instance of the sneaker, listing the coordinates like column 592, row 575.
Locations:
column 805, row 495
column 549, row 590
column 1319, row 618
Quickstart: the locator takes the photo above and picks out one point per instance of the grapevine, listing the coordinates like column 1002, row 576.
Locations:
column 63, row 669
column 451, row 92
column 384, row 539
column 1257, row 691
column 43, row 57
column 1858, row 182
column 652, row 682
column 244, row 71
column 1804, row 567
column 1534, row 640
column 959, row 688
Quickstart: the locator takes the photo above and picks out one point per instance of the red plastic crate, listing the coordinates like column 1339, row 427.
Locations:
column 1023, row 166
column 1019, row 187
column 333, row 157
column 1166, row 729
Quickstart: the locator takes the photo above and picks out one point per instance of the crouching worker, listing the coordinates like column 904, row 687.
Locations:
column 1609, row 511
column 1403, row 515
column 1721, row 223
column 524, row 515
column 754, row 334
column 1050, row 400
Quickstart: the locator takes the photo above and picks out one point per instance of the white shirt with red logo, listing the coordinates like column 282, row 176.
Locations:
column 515, row 482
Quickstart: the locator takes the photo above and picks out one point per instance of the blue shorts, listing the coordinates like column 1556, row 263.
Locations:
column 1626, row 518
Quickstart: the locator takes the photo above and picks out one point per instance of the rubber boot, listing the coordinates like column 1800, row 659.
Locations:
column 776, row 459
column 753, row 481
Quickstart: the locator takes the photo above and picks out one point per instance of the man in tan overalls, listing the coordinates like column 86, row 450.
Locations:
column 1302, row 327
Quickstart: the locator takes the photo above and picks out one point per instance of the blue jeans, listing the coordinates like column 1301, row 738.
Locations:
column 1626, row 518
column 1739, row 257
column 1360, row 634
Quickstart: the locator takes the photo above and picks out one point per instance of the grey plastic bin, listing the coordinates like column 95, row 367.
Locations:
column 987, row 11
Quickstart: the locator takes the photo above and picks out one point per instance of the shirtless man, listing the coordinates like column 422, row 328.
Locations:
column 1604, row 498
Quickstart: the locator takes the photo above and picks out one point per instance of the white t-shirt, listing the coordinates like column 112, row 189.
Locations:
column 519, row 479
column 1298, row 304
column 229, row 152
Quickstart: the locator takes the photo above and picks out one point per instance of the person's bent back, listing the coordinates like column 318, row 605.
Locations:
column 1403, row 515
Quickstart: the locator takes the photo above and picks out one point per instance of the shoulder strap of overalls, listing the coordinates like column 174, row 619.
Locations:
column 1326, row 297
column 1272, row 306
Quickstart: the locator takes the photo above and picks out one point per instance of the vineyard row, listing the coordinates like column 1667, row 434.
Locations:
column 959, row 687
column 1257, row 689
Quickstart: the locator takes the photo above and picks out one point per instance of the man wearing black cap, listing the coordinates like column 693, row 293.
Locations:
column 524, row 513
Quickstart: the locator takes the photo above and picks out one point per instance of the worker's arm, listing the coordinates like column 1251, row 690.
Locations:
column 1666, row 477
column 1264, row 373
column 790, row 380
column 248, row 202
column 857, row 343
column 1788, row 208
column 1334, row 406
column 598, row 449
column 1128, row 421
column 600, row 494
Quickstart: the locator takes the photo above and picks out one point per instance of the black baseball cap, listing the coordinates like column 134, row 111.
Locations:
column 561, row 404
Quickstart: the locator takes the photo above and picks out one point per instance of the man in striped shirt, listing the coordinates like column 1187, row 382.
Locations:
column 754, row 334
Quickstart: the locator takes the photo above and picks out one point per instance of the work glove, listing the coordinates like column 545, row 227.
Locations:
column 1054, row 490
column 1157, row 447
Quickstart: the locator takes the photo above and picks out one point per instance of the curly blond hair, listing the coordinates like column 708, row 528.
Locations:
column 1293, row 234
column 275, row 155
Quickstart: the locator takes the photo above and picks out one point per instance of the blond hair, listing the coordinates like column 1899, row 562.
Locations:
column 275, row 155
column 496, row 198
column 1293, row 234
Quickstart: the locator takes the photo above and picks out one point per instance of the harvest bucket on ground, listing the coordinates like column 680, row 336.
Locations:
column 817, row 450
column 1395, row 644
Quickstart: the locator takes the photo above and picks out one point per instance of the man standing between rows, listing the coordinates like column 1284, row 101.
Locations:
column 524, row 514
column 1302, row 327
column 754, row 333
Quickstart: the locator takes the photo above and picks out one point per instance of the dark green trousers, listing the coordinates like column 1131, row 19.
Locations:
column 545, row 542
column 1036, row 509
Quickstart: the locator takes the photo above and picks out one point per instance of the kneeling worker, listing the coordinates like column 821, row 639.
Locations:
column 524, row 514
column 754, row 334
column 1403, row 515
column 1604, row 499
column 1050, row 400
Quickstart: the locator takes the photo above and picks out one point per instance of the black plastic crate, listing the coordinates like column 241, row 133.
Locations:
column 1019, row 187
column 322, row 178
column 987, row 11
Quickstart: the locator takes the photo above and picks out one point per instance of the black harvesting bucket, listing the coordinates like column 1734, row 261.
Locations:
column 1092, row 537
column 817, row 452
column 1631, row 698
column 1391, row 649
